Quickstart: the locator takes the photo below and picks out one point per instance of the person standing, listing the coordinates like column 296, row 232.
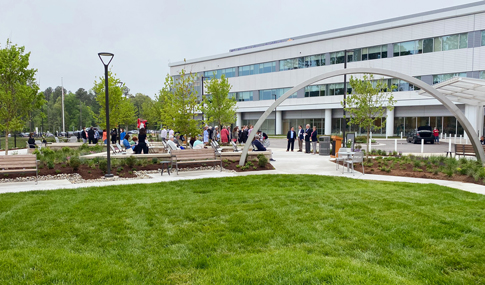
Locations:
column 224, row 135
column 170, row 133
column 142, row 144
column 308, row 134
column 114, row 136
column 84, row 135
column 436, row 134
column 163, row 134
column 235, row 134
column 91, row 135
column 314, row 139
column 122, row 134
column 290, row 137
column 300, row 138
column 105, row 137
column 245, row 134
column 206, row 135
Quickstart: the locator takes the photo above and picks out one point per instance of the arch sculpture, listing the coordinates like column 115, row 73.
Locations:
column 362, row 70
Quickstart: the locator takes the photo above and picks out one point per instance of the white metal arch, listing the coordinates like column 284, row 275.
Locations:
column 365, row 70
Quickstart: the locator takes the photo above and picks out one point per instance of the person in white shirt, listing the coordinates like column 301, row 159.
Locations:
column 171, row 144
column 170, row 133
column 164, row 134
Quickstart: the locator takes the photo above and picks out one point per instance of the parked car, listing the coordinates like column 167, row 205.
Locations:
column 423, row 132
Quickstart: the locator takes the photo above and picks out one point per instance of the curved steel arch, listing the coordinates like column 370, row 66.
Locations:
column 361, row 70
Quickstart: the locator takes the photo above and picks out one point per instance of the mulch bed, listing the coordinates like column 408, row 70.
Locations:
column 409, row 172
column 87, row 172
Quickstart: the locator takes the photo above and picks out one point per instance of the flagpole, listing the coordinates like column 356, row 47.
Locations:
column 62, row 99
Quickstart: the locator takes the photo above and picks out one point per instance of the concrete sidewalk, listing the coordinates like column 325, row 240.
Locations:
column 286, row 163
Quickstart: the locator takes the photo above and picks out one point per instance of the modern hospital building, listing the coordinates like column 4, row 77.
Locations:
column 433, row 46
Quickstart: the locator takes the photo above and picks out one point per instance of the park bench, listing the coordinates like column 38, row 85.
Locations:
column 215, row 145
column 234, row 146
column 19, row 164
column 188, row 156
column 464, row 150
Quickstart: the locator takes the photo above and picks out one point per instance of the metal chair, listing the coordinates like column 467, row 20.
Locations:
column 357, row 158
column 341, row 157
column 57, row 139
column 234, row 146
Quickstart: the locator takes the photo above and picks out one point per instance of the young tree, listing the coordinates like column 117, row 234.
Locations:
column 218, row 107
column 368, row 103
column 178, row 104
column 19, row 94
column 121, row 110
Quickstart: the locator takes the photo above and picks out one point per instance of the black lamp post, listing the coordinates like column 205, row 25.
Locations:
column 345, row 99
column 108, row 57
column 274, row 116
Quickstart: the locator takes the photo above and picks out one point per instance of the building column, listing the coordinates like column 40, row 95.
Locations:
column 474, row 114
column 390, row 123
column 328, row 122
column 239, row 119
column 279, row 123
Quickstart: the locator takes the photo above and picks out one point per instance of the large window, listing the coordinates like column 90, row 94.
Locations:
column 483, row 38
column 312, row 91
column 443, row 77
column 257, row 68
column 244, row 96
column 292, row 63
column 444, row 43
column 337, row 57
column 228, row 72
column 315, row 60
column 376, row 52
column 268, row 94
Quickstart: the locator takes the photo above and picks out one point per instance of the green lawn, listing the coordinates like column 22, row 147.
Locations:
column 268, row 229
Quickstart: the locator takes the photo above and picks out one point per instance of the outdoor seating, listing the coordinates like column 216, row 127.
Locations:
column 465, row 150
column 57, row 139
column 341, row 157
column 116, row 149
column 38, row 144
column 19, row 164
column 72, row 139
column 197, row 156
column 215, row 145
column 234, row 147
column 358, row 157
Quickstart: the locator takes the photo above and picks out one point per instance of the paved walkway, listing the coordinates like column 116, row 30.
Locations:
column 286, row 163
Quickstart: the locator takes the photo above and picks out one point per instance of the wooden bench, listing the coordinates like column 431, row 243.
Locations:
column 465, row 150
column 187, row 156
column 19, row 164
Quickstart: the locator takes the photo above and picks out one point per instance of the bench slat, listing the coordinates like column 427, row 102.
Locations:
column 17, row 170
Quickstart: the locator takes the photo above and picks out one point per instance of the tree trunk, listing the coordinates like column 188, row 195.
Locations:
column 368, row 142
column 6, row 141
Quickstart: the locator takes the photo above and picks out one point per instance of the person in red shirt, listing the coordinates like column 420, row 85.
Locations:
column 436, row 134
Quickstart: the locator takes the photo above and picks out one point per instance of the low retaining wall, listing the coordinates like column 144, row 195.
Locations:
column 225, row 155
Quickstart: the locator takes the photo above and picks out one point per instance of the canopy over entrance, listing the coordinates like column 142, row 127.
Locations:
column 463, row 90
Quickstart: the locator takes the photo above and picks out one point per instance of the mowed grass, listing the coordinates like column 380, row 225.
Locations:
column 268, row 229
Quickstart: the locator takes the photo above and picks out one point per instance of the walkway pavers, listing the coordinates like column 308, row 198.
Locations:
column 286, row 163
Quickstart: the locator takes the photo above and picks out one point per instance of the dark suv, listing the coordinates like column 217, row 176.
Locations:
column 423, row 132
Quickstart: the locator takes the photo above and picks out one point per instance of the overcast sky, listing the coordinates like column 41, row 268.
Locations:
column 65, row 36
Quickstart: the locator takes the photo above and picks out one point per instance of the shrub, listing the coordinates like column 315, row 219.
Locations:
column 254, row 167
column 103, row 165
column 262, row 160
column 449, row 172
column 58, row 171
column 361, row 139
column 74, row 162
column 50, row 164
column 249, row 163
column 238, row 166
column 66, row 149
column 417, row 163
column 154, row 160
column 130, row 161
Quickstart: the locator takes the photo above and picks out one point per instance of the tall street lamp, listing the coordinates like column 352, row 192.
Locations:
column 108, row 57
column 274, row 116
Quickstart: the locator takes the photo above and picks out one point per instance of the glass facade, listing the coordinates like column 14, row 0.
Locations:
column 268, row 94
column 482, row 75
column 443, row 77
column 448, row 125
column 444, row 43
column 268, row 126
column 483, row 38
column 228, row 72
column 318, row 122
column 292, row 63
column 257, row 68
column 244, row 96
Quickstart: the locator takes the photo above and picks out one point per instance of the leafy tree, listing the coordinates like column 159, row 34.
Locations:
column 218, row 107
column 138, row 100
column 121, row 110
column 19, row 94
column 368, row 103
column 178, row 104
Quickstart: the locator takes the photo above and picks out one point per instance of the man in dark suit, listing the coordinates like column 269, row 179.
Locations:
column 290, row 137
column 300, row 138
column 91, row 135
column 308, row 134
